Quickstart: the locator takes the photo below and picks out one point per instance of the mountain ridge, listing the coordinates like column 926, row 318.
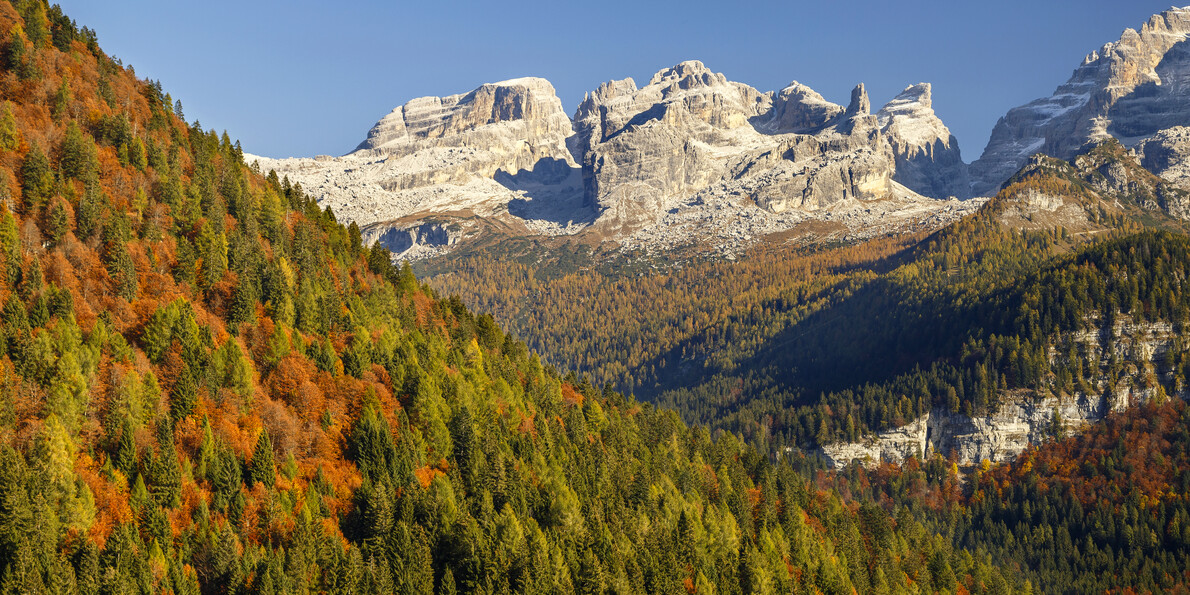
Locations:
column 647, row 166
column 708, row 153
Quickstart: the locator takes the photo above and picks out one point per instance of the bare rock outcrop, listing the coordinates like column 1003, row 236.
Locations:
column 691, row 133
column 860, row 104
column 1128, row 89
column 1167, row 154
column 800, row 109
column 499, row 149
column 1026, row 417
column 644, row 147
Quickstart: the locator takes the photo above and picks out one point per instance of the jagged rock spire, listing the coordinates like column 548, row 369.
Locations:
column 860, row 105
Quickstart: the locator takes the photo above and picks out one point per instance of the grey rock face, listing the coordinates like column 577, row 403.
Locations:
column 689, row 143
column 1128, row 89
column 690, row 131
column 642, row 147
column 927, row 154
column 399, row 240
column 501, row 148
column 798, row 108
column 860, row 105
column 507, row 126
column 1167, row 154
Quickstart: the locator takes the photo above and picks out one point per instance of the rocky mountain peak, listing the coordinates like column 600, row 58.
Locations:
column 643, row 166
column 910, row 117
column 927, row 154
column 1128, row 89
column 798, row 108
column 860, row 105
column 687, row 75
column 920, row 94
column 522, row 99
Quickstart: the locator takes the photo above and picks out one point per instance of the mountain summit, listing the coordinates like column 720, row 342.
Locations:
column 1128, row 89
column 688, row 155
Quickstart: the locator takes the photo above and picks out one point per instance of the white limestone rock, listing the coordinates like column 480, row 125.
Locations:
column 800, row 109
column 927, row 154
column 690, row 132
column 637, row 166
column 1167, row 154
column 1023, row 419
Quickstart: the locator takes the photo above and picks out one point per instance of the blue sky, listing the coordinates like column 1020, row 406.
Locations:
column 305, row 77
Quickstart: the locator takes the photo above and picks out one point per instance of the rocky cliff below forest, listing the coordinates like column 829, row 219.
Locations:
column 1126, row 364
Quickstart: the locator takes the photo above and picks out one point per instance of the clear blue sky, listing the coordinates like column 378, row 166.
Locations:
column 304, row 77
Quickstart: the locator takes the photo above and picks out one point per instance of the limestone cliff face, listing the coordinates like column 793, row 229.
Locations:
column 927, row 154
column 508, row 126
column 1128, row 89
column 643, row 147
column 423, row 238
column 499, row 151
column 691, row 132
column 800, row 109
column 1024, row 418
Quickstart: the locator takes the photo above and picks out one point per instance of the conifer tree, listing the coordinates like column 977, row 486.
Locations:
column 37, row 179
column 10, row 136
column 62, row 99
column 78, row 159
column 184, row 395
column 263, row 469
column 117, row 259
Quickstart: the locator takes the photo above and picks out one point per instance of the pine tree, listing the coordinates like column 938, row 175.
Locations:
column 57, row 222
column 78, row 156
column 117, row 259
column 125, row 458
column 88, row 216
column 62, row 99
column 243, row 303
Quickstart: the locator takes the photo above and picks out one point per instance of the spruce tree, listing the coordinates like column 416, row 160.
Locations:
column 37, row 179
column 117, row 259
column 78, row 158
column 184, row 396
column 125, row 457
column 262, row 468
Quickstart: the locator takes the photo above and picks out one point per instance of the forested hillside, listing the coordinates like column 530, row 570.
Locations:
column 794, row 346
column 208, row 385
